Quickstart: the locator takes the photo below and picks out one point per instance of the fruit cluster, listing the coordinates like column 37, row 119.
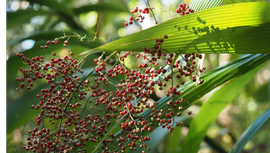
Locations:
column 184, row 9
column 67, row 122
column 139, row 15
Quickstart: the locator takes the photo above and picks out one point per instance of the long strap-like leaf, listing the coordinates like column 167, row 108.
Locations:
column 210, row 110
column 238, row 28
column 250, row 131
column 199, row 5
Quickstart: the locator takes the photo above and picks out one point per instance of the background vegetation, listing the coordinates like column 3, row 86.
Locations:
column 31, row 23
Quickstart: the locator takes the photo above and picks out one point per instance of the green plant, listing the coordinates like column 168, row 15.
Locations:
column 97, row 100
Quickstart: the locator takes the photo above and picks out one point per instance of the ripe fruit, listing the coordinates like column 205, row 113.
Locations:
column 184, row 9
column 65, row 102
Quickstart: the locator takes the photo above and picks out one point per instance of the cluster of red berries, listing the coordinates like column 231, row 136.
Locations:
column 74, row 124
column 184, row 9
column 139, row 17
column 55, row 41
column 55, row 103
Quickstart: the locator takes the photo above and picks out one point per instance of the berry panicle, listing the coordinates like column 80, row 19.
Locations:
column 82, row 107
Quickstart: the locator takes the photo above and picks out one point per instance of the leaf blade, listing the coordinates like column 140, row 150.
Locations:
column 20, row 16
column 199, row 5
column 250, row 131
column 211, row 109
column 227, row 26
column 63, row 12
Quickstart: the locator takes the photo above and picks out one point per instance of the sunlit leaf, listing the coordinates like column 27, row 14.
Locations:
column 199, row 5
column 241, row 1
column 216, row 30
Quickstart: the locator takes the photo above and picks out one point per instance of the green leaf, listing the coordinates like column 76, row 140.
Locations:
column 212, row 80
column 61, row 7
column 102, row 7
column 21, row 16
column 250, row 131
column 19, row 112
column 241, row 1
column 62, row 11
column 199, row 5
column 211, row 109
column 172, row 140
column 216, row 30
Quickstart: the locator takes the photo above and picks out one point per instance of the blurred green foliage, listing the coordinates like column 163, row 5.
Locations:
column 89, row 24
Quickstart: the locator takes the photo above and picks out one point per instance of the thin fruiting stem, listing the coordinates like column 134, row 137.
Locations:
column 97, row 28
column 84, row 107
column 152, row 11
column 125, row 68
column 164, row 10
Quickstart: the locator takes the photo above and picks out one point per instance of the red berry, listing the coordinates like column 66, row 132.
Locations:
column 22, row 85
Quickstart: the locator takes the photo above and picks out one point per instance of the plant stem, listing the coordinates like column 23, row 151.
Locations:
column 152, row 12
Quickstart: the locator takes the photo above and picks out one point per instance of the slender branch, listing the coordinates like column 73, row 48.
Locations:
column 152, row 12
column 165, row 11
